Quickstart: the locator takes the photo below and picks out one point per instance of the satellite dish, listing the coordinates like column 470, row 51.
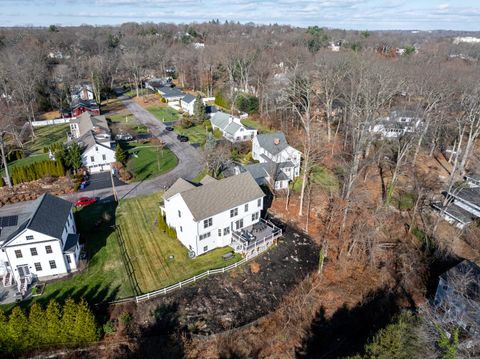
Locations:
column 191, row 254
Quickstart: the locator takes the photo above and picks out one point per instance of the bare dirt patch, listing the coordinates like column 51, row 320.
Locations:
column 227, row 301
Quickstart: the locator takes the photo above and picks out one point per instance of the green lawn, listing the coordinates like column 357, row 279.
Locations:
column 248, row 122
column 46, row 136
column 128, row 120
column 105, row 278
column 147, row 161
column 165, row 114
column 133, row 92
column 150, row 250
column 322, row 177
column 196, row 134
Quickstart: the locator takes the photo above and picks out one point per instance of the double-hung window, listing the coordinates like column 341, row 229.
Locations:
column 233, row 212
column 207, row 223
column 204, row 236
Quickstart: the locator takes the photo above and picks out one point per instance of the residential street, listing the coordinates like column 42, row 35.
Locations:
column 190, row 163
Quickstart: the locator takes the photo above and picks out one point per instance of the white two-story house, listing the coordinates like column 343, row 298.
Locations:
column 279, row 162
column 41, row 243
column 94, row 138
column 232, row 128
column 208, row 215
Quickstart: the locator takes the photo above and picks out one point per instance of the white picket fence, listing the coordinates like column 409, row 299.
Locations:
column 58, row 121
column 163, row 291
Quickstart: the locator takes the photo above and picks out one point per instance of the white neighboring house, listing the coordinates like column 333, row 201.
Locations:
column 232, row 128
column 277, row 158
column 94, row 138
column 218, row 213
column 82, row 92
column 397, row 124
column 187, row 103
column 41, row 244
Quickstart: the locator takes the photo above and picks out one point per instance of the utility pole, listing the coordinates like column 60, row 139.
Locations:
column 4, row 159
column 115, row 197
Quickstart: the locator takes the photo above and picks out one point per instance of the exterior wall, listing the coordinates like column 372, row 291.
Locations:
column 187, row 107
column 39, row 242
column 191, row 230
column 223, row 221
column 244, row 135
column 98, row 164
column 288, row 154
column 79, row 110
column 184, row 224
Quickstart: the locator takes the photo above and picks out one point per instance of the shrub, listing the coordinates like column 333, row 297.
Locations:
column 186, row 122
column 109, row 327
column 126, row 318
column 247, row 103
column 217, row 133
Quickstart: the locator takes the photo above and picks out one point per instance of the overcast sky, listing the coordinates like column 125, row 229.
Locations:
column 346, row 14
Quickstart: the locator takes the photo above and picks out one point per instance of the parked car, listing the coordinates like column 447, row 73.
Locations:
column 182, row 138
column 169, row 128
column 124, row 137
column 85, row 201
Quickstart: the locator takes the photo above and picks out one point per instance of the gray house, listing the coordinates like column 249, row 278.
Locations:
column 457, row 298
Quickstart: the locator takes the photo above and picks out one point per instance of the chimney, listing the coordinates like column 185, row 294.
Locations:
column 276, row 141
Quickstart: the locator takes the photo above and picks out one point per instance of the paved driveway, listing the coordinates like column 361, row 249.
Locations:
column 190, row 163
column 102, row 180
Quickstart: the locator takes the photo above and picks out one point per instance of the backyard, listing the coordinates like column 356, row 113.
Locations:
column 164, row 113
column 148, row 160
column 33, row 149
column 126, row 122
column 248, row 122
column 157, row 259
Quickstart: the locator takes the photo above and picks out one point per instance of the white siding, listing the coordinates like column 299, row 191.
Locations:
column 39, row 242
column 98, row 164
column 190, row 232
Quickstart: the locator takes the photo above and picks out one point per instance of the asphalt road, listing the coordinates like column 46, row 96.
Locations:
column 190, row 164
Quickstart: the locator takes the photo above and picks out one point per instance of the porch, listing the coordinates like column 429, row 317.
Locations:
column 255, row 238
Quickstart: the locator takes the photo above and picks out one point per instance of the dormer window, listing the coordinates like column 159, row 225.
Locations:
column 96, row 148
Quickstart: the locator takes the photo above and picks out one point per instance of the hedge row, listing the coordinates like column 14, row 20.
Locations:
column 36, row 171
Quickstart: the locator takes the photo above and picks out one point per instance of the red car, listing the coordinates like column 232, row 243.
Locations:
column 85, row 201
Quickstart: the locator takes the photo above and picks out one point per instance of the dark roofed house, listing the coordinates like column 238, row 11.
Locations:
column 271, row 148
column 463, row 206
column 457, row 299
column 43, row 243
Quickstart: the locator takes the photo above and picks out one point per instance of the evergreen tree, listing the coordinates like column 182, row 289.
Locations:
column 17, row 331
column 85, row 329
column 73, row 157
column 3, row 333
column 37, row 323
column 69, row 317
column 199, row 110
column 53, row 323
column 120, row 155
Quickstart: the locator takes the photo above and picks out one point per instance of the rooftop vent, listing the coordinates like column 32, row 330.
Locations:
column 276, row 141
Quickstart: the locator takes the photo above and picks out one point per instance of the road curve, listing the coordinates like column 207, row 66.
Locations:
column 190, row 164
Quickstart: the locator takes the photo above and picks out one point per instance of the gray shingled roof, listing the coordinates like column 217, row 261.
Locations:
column 220, row 119
column 168, row 91
column 188, row 98
column 267, row 142
column 180, row 185
column 71, row 242
column 219, row 196
column 471, row 195
column 232, row 128
column 49, row 216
